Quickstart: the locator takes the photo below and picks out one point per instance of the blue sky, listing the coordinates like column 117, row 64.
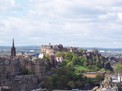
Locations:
column 83, row 23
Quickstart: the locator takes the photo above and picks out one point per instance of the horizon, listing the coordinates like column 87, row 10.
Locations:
column 63, row 45
column 70, row 22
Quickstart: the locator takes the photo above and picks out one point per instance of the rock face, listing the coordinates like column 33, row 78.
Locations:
column 24, row 83
column 39, row 69
column 107, row 85
column 108, row 66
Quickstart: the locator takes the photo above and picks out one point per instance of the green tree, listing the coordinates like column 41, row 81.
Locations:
column 99, row 78
column 60, row 54
column 76, row 60
column 78, row 84
column 80, row 50
column 103, row 70
column 71, row 84
column 63, row 80
column 89, row 81
column 56, row 81
column 48, row 83
column 118, row 68
column 70, row 64
column 64, row 63
column 68, row 56
column 82, row 59
column 46, row 57
column 85, row 64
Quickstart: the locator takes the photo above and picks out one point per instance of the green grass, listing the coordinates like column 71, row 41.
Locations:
column 81, row 68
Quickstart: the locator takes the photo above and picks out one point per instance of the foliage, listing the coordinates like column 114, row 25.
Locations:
column 95, row 62
column 68, row 56
column 80, row 50
column 81, row 68
column 89, row 81
column 69, row 74
column 48, row 83
column 70, row 64
column 71, row 84
column 60, row 54
column 99, row 78
column 64, row 78
column 118, row 68
column 46, row 57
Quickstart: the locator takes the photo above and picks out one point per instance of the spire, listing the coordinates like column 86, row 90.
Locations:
column 13, row 49
column 13, row 43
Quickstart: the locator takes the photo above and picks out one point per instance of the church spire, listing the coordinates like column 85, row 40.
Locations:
column 13, row 43
column 13, row 49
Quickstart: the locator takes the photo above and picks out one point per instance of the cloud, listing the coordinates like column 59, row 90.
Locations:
column 70, row 22
column 6, row 5
column 120, row 15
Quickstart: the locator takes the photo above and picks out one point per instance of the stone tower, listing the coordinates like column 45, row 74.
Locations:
column 13, row 50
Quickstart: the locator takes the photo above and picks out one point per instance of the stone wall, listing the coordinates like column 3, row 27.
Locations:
column 24, row 83
column 13, row 77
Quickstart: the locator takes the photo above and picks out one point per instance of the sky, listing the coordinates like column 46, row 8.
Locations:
column 81, row 23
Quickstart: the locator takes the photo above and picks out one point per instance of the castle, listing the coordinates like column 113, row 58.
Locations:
column 53, row 49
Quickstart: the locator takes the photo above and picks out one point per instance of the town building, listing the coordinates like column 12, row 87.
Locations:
column 94, row 74
column 116, row 78
column 19, row 72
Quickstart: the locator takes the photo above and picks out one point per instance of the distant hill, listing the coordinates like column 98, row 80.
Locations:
column 6, row 50
column 104, row 49
column 39, row 47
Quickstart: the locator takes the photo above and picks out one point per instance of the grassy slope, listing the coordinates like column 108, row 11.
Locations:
column 81, row 68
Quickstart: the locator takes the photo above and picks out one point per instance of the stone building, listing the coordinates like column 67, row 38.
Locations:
column 39, row 68
column 12, row 77
column 53, row 49
column 20, row 73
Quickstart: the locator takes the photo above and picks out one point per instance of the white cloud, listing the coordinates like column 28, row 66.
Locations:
column 71, row 22
column 7, row 5
column 120, row 15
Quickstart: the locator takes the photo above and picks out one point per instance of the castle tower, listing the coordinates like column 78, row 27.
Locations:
column 13, row 50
